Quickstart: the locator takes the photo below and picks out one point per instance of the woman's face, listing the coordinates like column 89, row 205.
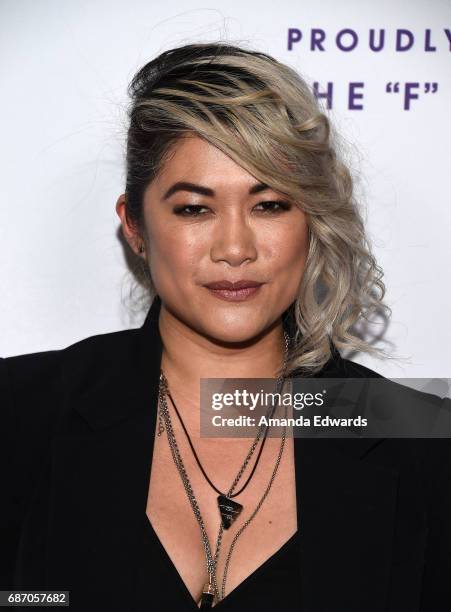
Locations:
column 226, row 226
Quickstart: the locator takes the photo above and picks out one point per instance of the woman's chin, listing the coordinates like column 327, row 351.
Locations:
column 233, row 334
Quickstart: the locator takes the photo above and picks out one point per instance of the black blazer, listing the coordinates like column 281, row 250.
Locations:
column 78, row 426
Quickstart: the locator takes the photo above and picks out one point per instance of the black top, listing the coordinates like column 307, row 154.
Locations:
column 272, row 586
column 78, row 427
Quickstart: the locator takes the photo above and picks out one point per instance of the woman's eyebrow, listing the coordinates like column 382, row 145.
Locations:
column 206, row 191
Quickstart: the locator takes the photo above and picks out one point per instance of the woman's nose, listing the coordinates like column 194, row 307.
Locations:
column 233, row 241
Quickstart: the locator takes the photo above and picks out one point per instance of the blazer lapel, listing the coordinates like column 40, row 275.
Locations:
column 347, row 514
column 100, row 480
column 100, row 477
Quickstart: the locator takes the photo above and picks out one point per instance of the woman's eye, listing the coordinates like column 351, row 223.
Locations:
column 183, row 210
column 194, row 210
column 275, row 206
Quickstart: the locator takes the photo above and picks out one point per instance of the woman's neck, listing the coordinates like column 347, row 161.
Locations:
column 189, row 356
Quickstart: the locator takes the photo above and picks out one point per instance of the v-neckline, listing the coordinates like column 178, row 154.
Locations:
column 236, row 591
column 243, row 584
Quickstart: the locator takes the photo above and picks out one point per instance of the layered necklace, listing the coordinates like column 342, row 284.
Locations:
column 229, row 510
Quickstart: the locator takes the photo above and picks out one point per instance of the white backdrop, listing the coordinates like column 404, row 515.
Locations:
column 65, row 67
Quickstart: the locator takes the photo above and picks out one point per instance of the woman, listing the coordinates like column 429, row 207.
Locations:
column 252, row 247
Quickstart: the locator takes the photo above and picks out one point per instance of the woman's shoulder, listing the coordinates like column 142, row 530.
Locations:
column 391, row 388
column 28, row 382
column 416, row 422
column 33, row 389
column 32, row 384
column 357, row 370
column 43, row 366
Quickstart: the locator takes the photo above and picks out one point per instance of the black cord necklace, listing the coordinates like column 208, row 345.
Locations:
column 200, row 465
column 228, row 508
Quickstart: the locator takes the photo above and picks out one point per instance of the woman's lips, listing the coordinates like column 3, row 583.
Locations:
column 235, row 295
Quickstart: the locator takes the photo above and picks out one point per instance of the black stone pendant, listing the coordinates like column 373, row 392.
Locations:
column 229, row 510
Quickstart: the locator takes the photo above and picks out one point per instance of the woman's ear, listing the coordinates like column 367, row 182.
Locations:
column 129, row 230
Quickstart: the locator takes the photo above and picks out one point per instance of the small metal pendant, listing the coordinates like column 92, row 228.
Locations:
column 208, row 594
column 229, row 510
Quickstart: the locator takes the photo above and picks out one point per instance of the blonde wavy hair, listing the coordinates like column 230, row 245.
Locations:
column 262, row 114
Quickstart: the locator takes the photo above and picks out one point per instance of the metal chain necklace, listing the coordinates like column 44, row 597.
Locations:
column 210, row 590
column 229, row 509
column 161, row 429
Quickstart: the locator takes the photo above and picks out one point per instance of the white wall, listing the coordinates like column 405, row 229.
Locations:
column 65, row 67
